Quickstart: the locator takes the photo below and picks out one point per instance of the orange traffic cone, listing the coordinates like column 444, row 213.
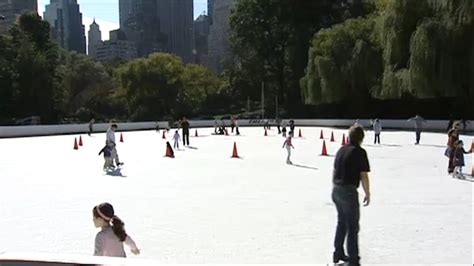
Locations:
column 169, row 151
column 321, row 136
column 76, row 147
column 332, row 137
column 300, row 135
column 80, row 140
column 164, row 136
column 196, row 133
column 324, row 152
column 266, row 134
column 234, row 151
column 347, row 139
column 344, row 139
column 121, row 137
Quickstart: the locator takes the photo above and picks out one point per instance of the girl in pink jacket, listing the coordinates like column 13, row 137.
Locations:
column 109, row 241
column 288, row 146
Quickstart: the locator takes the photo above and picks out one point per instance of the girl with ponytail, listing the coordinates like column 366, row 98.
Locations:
column 109, row 241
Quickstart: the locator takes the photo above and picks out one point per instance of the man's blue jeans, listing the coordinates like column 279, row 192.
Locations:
column 346, row 199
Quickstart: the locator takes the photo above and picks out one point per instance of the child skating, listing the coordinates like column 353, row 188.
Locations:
column 458, row 159
column 288, row 146
column 176, row 138
column 109, row 162
column 109, row 241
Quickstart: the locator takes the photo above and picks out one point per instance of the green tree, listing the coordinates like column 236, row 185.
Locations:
column 271, row 41
column 161, row 86
column 87, row 87
column 199, row 83
column 33, row 59
column 420, row 49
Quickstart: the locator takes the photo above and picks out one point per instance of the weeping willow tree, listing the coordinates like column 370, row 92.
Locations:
column 423, row 48
column 342, row 59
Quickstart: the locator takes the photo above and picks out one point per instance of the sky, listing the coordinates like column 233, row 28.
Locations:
column 106, row 13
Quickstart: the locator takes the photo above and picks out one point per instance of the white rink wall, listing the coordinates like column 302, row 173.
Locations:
column 45, row 130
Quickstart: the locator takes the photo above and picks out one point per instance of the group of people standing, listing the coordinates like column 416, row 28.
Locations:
column 220, row 127
column 455, row 152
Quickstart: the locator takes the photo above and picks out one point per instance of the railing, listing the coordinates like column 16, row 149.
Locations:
column 45, row 130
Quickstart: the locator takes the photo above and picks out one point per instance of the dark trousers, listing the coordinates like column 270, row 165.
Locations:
column 418, row 136
column 237, row 131
column 377, row 139
column 232, row 128
column 347, row 205
column 185, row 137
column 279, row 129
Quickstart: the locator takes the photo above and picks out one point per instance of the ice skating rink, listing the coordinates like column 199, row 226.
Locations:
column 204, row 207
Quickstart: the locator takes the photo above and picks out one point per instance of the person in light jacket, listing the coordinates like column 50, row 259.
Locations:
column 377, row 126
column 109, row 241
column 418, row 122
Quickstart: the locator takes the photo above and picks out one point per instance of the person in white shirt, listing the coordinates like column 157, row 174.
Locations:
column 110, row 141
column 109, row 241
column 289, row 145
column 176, row 138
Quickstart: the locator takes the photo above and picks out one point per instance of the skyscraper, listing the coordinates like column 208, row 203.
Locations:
column 210, row 10
column 11, row 9
column 159, row 26
column 65, row 20
column 139, row 20
column 116, row 48
column 219, row 45
column 201, row 34
column 180, row 28
column 95, row 38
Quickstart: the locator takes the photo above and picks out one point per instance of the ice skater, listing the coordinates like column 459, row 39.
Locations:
column 232, row 124
column 91, row 126
column 351, row 168
column 185, row 127
column 377, row 126
column 288, row 146
column 458, row 159
column 453, row 137
column 419, row 121
column 109, row 241
column 109, row 162
column 110, row 141
column 292, row 127
column 236, row 123
column 176, row 138
column 283, row 130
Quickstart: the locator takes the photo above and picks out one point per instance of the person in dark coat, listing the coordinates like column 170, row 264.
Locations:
column 453, row 136
column 185, row 127
column 458, row 159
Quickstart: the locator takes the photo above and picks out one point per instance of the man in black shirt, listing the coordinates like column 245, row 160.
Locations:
column 351, row 168
column 185, row 126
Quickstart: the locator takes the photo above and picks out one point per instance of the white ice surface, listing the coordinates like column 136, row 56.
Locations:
column 204, row 207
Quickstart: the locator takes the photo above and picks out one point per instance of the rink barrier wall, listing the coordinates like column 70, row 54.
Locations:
column 43, row 259
column 47, row 130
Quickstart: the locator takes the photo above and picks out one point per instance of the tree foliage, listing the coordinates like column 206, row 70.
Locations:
column 271, row 40
column 28, row 61
column 162, row 86
column 421, row 48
